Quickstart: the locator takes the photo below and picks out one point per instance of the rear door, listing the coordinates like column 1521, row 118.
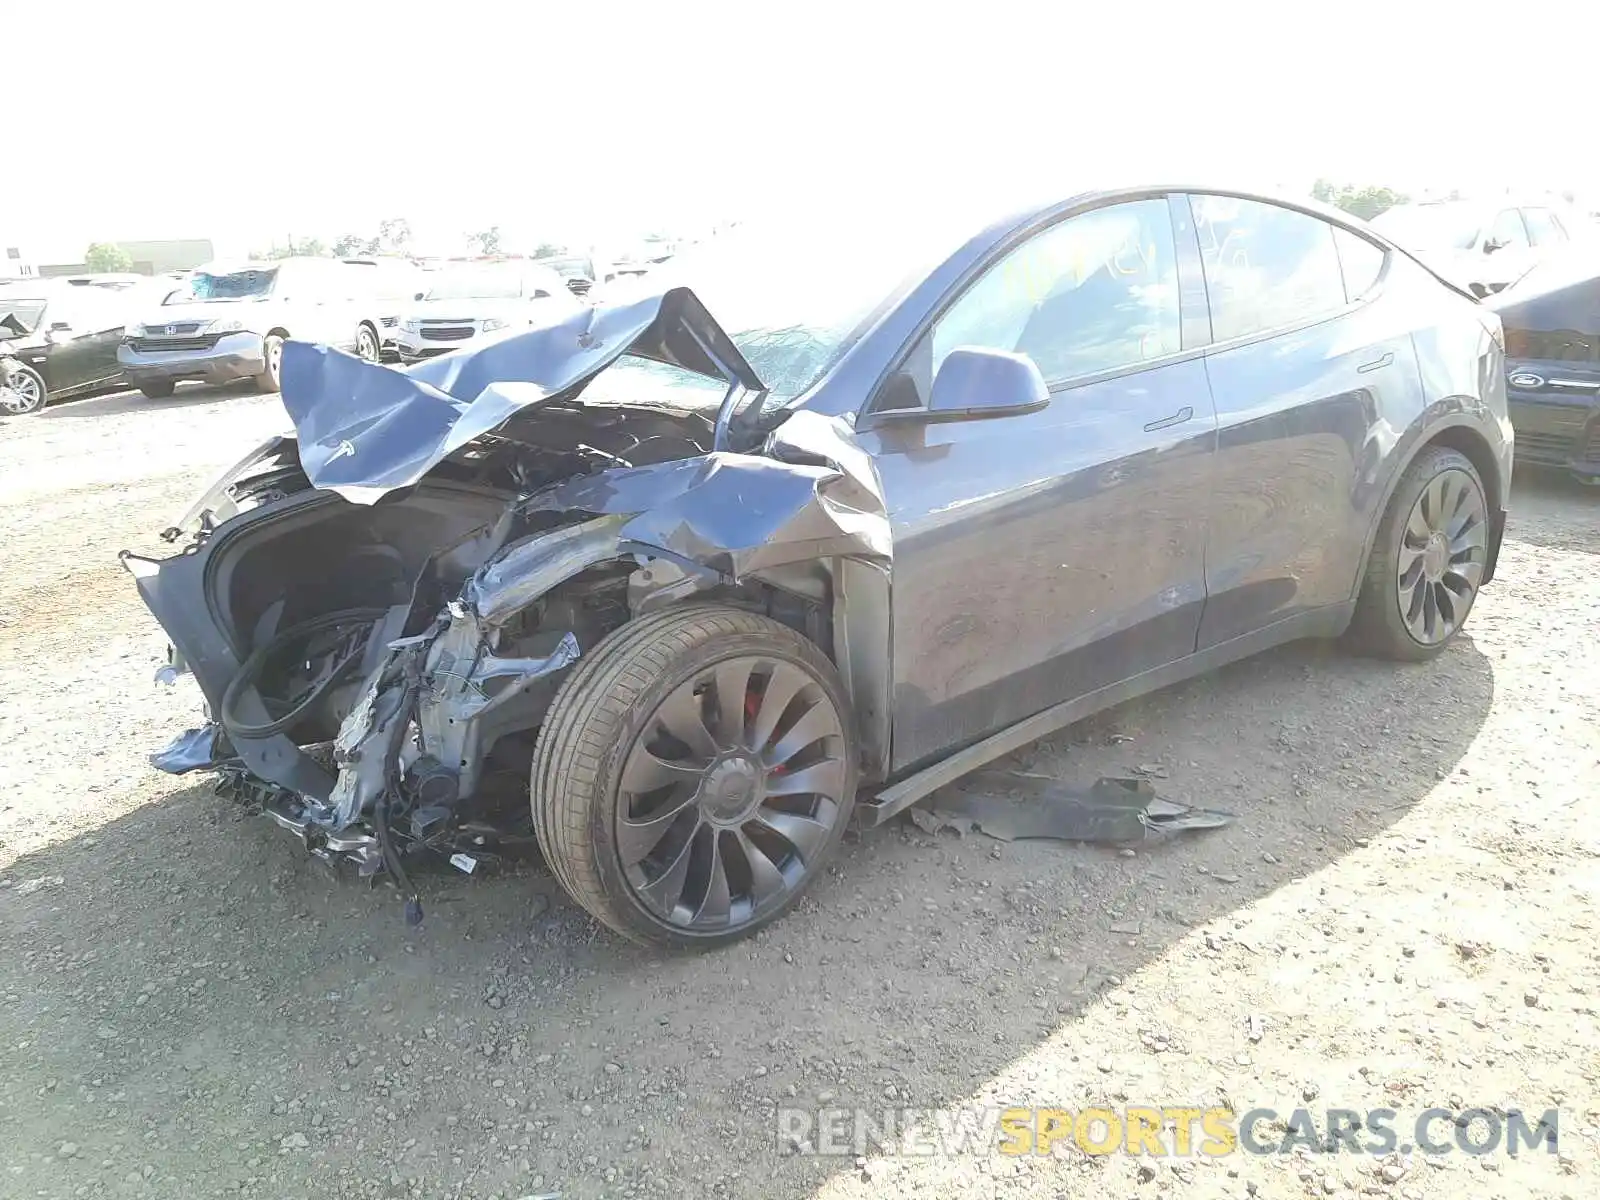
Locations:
column 1307, row 361
column 82, row 332
column 103, row 315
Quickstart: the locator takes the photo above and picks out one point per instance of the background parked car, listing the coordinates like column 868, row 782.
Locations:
column 385, row 288
column 1481, row 246
column 465, row 303
column 68, row 346
column 582, row 272
column 230, row 322
column 1552, row 328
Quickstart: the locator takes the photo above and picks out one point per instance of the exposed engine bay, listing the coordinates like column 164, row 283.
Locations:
column 380, row 609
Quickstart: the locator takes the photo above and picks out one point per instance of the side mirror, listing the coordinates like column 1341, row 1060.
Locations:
column 974, row 383
column 418, row 296
column 1490, row 245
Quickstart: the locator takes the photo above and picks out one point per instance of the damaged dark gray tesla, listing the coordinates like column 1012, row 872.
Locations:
column 706, row 598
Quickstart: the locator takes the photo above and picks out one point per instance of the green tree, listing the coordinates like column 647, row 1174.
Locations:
column 549, row 250
column 1366, row 202
column 488, row 240
column 107, row 258
column 293, row 249
column 394, row 237
column 348, row 244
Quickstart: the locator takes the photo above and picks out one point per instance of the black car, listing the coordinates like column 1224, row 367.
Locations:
column 1552, row 330
column 62, row 339
column 679, row 604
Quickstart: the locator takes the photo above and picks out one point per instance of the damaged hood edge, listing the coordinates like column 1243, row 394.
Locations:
column 366, row 430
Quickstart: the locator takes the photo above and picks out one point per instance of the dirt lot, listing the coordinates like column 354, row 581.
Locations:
column 189, row 1007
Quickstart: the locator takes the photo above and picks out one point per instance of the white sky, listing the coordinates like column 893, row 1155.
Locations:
column 604, row 119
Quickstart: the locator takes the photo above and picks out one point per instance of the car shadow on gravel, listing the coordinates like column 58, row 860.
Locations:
column 186, row 982
column 1552, row 509
column 112, row 403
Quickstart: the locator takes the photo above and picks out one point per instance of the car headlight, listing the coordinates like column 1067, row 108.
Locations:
column 409, row 325
column 133, row 331
column 490, row 324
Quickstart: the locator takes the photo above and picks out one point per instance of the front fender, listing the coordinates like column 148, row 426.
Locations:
column 724, row 516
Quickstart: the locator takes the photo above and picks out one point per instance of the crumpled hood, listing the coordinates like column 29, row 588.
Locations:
column 366, row 430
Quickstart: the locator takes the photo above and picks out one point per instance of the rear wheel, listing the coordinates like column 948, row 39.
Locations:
column 157, row 389
column 1427, row 562
column 693, row 775
column 272, row 348
column 24, row 392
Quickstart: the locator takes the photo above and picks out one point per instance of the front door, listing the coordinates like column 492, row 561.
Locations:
column 1042, row 556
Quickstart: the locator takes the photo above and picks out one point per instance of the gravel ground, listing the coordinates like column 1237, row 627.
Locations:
column 1404, row 915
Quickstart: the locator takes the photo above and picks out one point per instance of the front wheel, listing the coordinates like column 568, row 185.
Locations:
column 23, row 392
column 694, row 774
column 368, row 349
column 272, row 349
column 1427, row 562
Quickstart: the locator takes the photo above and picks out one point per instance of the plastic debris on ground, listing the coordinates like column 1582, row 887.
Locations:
column 1016, row 806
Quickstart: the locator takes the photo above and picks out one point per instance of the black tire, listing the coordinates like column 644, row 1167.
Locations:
column 1382, row 627
column 26, row 394
column 369, row 346
column 272, row 347
column 606, row 710
column 158, row 389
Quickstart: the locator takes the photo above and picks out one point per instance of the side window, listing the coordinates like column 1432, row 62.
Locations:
column 62, row 309
column 1360, row 260
column 1508, row 231
column 338, row 281
column 290, row 284
column 1096, row 292
column 1266, row 267
column 84, row 310
column 1542, row 227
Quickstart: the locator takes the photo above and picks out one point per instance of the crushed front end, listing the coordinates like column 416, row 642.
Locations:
column 380, row 609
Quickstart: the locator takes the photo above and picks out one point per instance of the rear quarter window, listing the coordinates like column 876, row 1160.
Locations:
column 1266, row 267
column 1359, row 261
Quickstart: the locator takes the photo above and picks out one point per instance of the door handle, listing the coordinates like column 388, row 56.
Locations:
column 1177, row 418
column 1376, row 364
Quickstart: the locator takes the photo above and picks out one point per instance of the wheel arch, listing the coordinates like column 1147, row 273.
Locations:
column 1457, row 434
column 277, row 331
column 840, row 605
column 47, row 392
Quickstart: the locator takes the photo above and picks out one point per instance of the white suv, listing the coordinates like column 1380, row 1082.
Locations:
column 466, row 303
column 1480, row 246
column 230, row 321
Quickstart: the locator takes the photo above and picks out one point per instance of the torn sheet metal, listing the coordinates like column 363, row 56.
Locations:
column 367, row 429
column 732, row 514
column 1013, row 806
column 199, row 749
